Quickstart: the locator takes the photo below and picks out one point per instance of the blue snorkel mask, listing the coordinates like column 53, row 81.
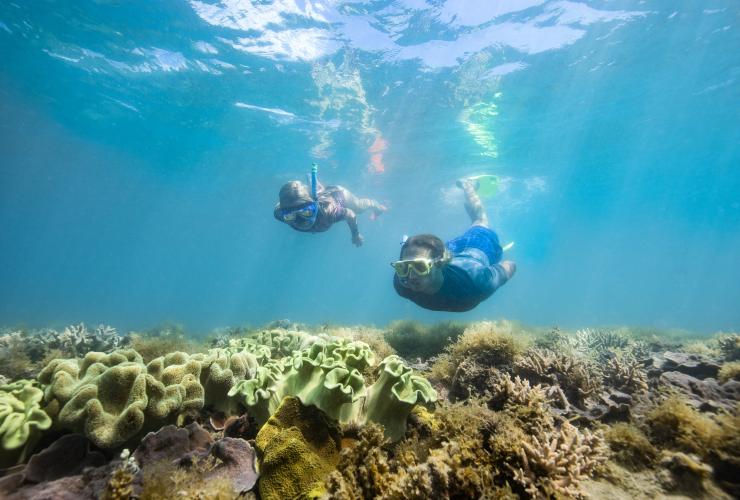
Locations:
column 302, row 217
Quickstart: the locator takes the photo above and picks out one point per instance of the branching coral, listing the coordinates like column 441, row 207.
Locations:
column 559, row 460
column 625, row 374
column 520, row 400
column 729, row 346
column 577, row 378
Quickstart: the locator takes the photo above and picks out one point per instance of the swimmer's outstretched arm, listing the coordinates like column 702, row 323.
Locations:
column 351, row 219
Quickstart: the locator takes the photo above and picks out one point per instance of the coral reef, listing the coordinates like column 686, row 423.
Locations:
column 327, row 374
column 489, row 343
column 298, row 447
column 729, row 346
column 560, row 458
column 578, row 378
column 121, row 483
column 413, row 340
column 335, row 414
column 625, row 374
column 21, row 420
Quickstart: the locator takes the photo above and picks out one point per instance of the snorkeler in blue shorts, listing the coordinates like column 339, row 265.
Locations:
column 317, row 209
column 458, row 275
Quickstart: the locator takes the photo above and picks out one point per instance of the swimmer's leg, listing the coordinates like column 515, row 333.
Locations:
column 359, row 205
column 473, row 204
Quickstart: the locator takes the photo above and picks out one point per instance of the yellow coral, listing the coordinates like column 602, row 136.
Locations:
column 298, row 447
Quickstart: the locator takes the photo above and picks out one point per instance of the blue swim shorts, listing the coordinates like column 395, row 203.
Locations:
column 481, row 238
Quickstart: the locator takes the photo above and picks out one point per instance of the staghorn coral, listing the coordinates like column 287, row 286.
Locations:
column 729, row 346
column 600, row 340
column 77, row 340
column 522, row 401
column 21, row 420
column 625, row 374
column 559, row 459
column 298, row 447
column 578, row 378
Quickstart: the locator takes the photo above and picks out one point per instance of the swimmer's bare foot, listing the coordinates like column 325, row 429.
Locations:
column 464, row 182
column 377, row 210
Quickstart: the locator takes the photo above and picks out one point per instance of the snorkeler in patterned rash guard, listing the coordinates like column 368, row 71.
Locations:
column 299, row 210
column 458, row 275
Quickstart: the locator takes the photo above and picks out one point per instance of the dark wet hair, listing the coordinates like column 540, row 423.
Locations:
column 427, row 242
column 294, row 194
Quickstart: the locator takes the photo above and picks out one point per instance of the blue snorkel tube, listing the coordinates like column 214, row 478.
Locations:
column 314, row 181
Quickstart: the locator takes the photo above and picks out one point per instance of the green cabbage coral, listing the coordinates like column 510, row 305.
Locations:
column 392, row 397
column 282, row 342
column 317, row 375
column 327, row 374
column 21, row 420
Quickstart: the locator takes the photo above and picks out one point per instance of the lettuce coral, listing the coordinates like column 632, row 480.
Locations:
column 327, row 375
column 21, row 420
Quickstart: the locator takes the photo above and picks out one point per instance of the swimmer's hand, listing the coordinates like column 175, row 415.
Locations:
column 357, row 240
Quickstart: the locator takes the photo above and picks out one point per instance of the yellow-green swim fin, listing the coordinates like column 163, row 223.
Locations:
column 487, row 184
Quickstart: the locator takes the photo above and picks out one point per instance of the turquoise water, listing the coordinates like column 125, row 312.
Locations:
column 142, row 146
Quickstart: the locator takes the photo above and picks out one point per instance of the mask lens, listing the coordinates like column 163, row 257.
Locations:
column 289, row 216
column 421, row 267
column 402, row 268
